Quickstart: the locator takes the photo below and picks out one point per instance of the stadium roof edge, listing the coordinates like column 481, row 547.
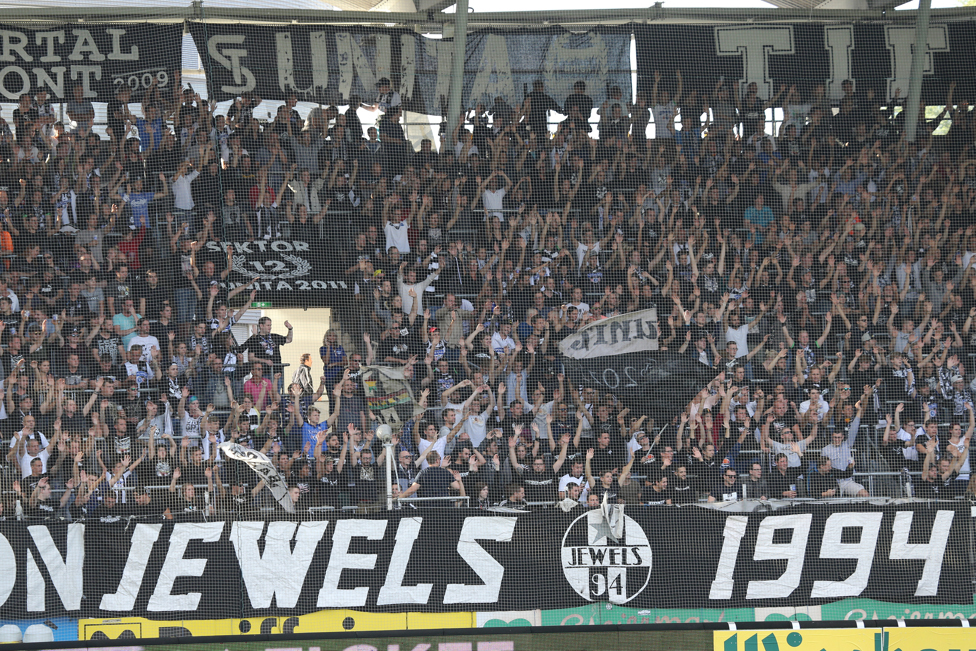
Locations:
column 477, row 20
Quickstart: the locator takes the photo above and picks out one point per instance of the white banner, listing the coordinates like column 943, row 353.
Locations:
column 634, row 332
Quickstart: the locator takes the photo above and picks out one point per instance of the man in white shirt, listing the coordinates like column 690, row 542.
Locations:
column 577, row 302
column 144, row 339
column 409, row 282
column 818, row 404
column 575, row 475
column 493, row 199
column 182, row 194
column 25, row 450
column 502, row 342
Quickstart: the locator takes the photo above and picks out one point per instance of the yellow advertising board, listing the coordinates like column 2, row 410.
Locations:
column 931, row 639
column 323, row 621
column 841, row 639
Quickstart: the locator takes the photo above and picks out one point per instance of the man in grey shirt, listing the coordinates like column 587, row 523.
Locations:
column 841, row 457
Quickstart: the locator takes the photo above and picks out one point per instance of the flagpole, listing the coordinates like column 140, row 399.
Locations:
column 389, row 475
column 385, row 434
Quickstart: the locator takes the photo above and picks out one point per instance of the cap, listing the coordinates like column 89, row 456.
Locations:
column 867, row 336
column 956, row 378
column 859, row 226
column 384, row 81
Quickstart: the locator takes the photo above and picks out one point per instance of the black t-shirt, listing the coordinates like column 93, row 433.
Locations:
column 511, row 420
column 396, row 347
column 605, row 459
column 434, row 482
column 156, row 297
column 117, row 125
column 74, row 307
column 364, row 481
column 779, row 484
column 683, row 492
column 328, row 489
column 540, row 486
column 108, row 346
column 21, row 120
column 612, row 492
column 723, row 493
column 265, row 346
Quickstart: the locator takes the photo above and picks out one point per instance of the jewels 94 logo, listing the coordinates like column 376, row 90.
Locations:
column 602, row 567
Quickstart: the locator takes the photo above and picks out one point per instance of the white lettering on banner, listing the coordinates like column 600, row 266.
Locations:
column 793, row 552
column 443, row 53
column 484, row 564
column 839, row 41
column 832, row 546
column 633, row 332
column 286, row 62
column 56, row 86
column 393, row 590
column 66, row 572
column 13, row 42
column 606, row 568
column 85, row 73
column 408, row 65
column 494, row 76
column 35, row 585
column 49, row 38
column 176, row 566
column 932, row 552
column 722, row 584
column 755, row 45
column 262, row 246
column 24, row 82
column 231, row 60
column 900, row 42
column 8, row 578
column 84, row 44
column 330, row 595
column 262, row 573
column 84, row 51
column 116, row 54
column 144, row 536
column 565, row 64
column 353, row 62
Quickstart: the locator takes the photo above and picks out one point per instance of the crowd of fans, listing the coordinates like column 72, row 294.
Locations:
column 824, row 271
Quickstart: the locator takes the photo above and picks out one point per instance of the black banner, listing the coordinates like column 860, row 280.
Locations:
column 288, row 272
column 100, row 57
column 875, row 56
column 464, row 560
column 329, row 64
column 663, row 381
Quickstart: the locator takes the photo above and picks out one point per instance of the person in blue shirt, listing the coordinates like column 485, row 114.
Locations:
column 138, row 200
column 150, row 129
column 759, row 215
column 311, row 428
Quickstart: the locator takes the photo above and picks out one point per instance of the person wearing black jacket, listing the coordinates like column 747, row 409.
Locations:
column 782, row 480
column 823, row 483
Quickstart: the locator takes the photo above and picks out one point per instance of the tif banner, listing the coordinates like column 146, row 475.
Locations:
column 450, row 560
column 621, row 355
column 101, row 58
column 286, row 272
column 329, row 64
column 874, row 56
column 389, row 396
